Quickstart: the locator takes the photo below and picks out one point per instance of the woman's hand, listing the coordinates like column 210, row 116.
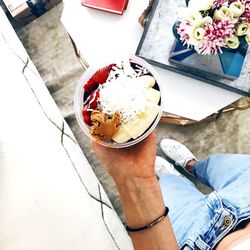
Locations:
column 132, row 169
column 136, row 161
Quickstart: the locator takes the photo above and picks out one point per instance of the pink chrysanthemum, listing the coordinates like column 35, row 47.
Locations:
column 246, row 15
column 218, row 3
column 214, row 39
column 182, row 30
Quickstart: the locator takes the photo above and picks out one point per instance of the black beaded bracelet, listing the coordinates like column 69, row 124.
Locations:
column 149, row 225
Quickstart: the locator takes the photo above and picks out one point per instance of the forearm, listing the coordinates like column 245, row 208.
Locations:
column 142, row 203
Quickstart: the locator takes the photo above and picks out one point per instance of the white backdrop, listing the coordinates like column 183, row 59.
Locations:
column 49, row 195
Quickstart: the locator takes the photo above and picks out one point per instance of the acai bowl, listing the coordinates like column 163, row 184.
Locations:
column 119, row 103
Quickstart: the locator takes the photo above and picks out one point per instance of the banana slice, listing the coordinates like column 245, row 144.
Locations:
column 136, row 128
column 147, row 80
column 121, row 136
column 153, row 95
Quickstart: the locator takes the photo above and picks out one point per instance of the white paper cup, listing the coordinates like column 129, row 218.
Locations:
column 79, row 95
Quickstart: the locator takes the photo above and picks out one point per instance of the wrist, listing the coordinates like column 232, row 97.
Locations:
column 133, row 184
column 141, row 199
column 132, row 172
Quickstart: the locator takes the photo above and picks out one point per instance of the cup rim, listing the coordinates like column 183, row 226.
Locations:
column 79, row 93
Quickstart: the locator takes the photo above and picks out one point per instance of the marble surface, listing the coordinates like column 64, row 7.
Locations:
column 158, row 41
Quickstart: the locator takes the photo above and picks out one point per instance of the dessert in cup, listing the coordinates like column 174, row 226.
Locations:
column 119, row 104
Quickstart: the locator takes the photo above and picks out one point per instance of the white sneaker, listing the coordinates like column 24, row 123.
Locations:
column 177, row 153
column 163, row 167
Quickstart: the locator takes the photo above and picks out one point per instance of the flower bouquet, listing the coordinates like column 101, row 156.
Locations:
column 212, row 37
column 211, row 26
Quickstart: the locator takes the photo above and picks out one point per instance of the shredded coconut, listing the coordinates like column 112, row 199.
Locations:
column 122, row 93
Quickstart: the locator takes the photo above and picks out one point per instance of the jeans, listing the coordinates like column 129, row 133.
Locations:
column 200, row 221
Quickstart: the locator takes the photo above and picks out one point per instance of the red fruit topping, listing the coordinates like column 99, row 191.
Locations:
column 90, row 86
column 93, row 99
column 86, row 116
column 99, row 77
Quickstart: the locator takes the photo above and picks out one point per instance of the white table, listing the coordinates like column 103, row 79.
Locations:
column 99, row 35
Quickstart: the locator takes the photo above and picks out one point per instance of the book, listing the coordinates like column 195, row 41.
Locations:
column 158, row 46
column 113, row 6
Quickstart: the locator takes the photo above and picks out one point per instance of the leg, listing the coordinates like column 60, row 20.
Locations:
column 221, row 170
column 229, row 175
column 178, row 193
column 216, row 172
column 185, row 202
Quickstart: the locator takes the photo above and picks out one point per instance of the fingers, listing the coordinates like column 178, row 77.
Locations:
column 148, row 140
column 97, row 148
column 152, row 136
column 151, row 139
column 100, row 149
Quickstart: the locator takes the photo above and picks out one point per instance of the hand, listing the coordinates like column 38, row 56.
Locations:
column 134, row 161
column 132, row 169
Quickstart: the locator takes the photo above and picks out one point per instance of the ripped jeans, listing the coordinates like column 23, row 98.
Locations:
column 200, row 221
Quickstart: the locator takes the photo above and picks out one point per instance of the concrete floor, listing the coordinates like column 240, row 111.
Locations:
column 50, row 49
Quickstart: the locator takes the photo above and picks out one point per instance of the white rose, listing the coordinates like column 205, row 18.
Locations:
column 223, row 13
column 193, row 16
column 204, row 21
column 200, row 4
column 196, row 35
column 232, row 42
column 247, row 37
column 237, row 9
column 199, row 33
column 242, row 29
